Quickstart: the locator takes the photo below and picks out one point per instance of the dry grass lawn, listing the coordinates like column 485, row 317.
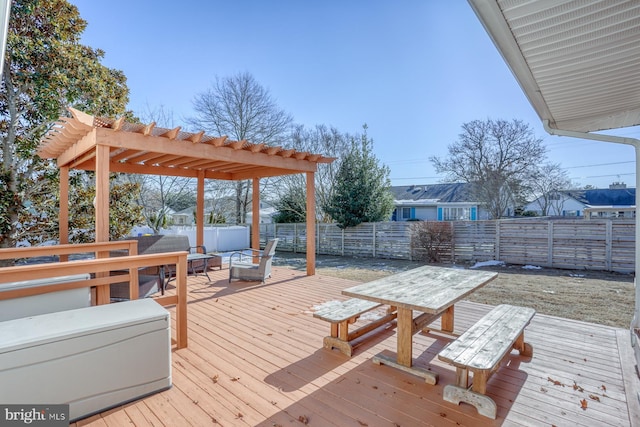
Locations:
column 591, row 296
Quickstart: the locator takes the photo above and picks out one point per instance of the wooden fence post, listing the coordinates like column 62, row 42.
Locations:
column 608, row 244
column 497, row 248
column 374, row 240
column 550, row 243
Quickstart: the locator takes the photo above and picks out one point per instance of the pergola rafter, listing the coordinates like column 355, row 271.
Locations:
column 106, row 145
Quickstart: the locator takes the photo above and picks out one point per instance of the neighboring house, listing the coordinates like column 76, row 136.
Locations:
column 617, row 201
column 436, row 202
column 186, row 217
column 183, row 217
column 266, row 213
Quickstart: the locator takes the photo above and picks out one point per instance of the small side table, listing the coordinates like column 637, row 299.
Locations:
column 205, row 258
column 214, row 261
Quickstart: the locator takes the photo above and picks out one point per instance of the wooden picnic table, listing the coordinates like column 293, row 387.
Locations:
column 430, row 290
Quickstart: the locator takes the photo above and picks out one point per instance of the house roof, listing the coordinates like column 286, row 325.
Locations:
column 605, row 196
column 576, row 61
column 435, row 193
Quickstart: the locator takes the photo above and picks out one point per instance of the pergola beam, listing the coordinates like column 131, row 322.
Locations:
column 106, row 145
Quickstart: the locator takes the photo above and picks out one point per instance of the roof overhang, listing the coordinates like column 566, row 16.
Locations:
column 147, row 149
column 576, row 61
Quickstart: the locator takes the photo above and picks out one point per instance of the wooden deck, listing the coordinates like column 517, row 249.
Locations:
column 255, row 358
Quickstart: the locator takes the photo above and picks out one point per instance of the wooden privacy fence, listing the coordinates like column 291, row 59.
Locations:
column 607, row 244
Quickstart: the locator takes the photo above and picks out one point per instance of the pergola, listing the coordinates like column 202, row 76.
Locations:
column 106, row 145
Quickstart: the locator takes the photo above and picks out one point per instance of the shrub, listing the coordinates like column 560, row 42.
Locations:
column 431, row 240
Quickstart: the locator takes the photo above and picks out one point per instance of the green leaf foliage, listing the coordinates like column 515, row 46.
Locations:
column 46, row 70
column 291, row 207
column 41, row 217
column 362, row 190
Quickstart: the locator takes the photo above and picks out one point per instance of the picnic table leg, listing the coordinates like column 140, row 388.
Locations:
column 405, row 336
column 446, row 321
column 404, row 356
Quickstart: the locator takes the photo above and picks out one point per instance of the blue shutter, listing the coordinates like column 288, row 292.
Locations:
column 394, row 215
column 439, row 214
column 413, row 213
column 474, row 213
column 578, row 213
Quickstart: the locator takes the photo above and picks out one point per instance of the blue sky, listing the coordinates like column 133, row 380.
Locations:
column 413, row 70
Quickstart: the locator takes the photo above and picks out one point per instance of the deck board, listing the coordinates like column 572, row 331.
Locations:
column 255, row 357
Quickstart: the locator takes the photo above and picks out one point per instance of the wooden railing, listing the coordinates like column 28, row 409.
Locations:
column 99, row 268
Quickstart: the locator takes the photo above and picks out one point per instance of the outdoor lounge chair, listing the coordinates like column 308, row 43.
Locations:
column 244, row 269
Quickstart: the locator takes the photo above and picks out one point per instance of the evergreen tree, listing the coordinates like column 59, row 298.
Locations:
column 362, row 191
column 292, row 207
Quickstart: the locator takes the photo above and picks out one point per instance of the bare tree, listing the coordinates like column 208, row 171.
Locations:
column 322, row 140
column 160, row 194
column 240, row 108
column 549, row 180
column 499, row 157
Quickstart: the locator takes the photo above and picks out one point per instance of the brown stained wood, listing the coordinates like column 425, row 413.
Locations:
column 146, row 131
column 196, row 137
column 405, row 336
column 236, row 145
column 121, row 154
column 171, row 134
column 256, row 148
column 286, row 153
column 218, row 142
column 267, row 338
column 447, row 319
column 272, row 150
column 166, row 160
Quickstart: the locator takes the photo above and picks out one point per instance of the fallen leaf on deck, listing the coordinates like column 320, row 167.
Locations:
column 303, row 419
column 583, row 403
column 594, row 397
column 603, row 387
column 555, row 382
column 214, row 379
column 577, row 387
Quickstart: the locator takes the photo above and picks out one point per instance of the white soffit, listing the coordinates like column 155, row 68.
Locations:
column 578, row 62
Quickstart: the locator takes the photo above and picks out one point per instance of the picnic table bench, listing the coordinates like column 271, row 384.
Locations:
column 343, row 313
column 480, row 350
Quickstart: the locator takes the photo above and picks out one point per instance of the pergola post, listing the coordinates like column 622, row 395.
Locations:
column 200, row 210
column 102, row 212
column 311, row 224
column 63, row 213
column 255, row 216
